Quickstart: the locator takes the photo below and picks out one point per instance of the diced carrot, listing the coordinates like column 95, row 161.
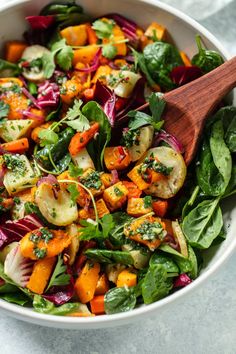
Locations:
column 156, row 30
column 92, row 37
column 136, row 178
column 185, row 58
column 116, row 158
column 40, row 275
column 86, row 282
column 75, row 35
column 14, row 50
column 102, row 285
column 70, row 89
column 118, row 36
column 38, row 116
column 97, row 305
column 160, row 207
column 52, row 248
column 81, row 139
column 126, row 278
column 88, row 94
column 35, row 132
column 17, row 146
column 134, row 191
column 101, row 74
column 85, row 55
column 17, row 103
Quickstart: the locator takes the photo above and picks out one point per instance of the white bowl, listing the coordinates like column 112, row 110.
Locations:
column 183, row 30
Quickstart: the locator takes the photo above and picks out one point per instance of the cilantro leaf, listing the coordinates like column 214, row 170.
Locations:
column 74, row 193
column 139, row 119
column 4, row 110
column 81, row 123
column 109, row 51
column 48, row 64
column 59, row 277
column 103, row 29
column 47, row 137
column 100, row 230
column 75, row 171
column 64, row 57
column 157, row 106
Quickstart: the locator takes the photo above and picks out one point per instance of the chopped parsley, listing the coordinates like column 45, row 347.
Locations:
column 42, row 234
column 150, row 163
column 4, row 110
column 147, row 201
column 15, row 164
column 150, row 231
column 118, row 192
column 131, row 137
column 92, row 180
column 40, row 252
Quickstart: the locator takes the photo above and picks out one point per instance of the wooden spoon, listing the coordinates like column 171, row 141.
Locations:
column 189, row 106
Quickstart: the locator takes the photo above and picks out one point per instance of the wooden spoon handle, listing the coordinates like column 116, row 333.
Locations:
column 206, row 92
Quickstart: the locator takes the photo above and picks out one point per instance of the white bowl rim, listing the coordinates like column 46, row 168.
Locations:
column 106, row 320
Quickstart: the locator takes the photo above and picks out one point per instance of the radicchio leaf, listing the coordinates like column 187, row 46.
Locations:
column 181, row 281
column 40, row 22
column 181, row 75
column 107, row 99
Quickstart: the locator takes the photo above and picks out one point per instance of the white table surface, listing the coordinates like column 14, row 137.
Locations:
column 204, row 323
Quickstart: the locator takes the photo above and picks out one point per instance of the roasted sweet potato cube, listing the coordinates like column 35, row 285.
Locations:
column 115, row 196
column 91, row 179
column 139, row 206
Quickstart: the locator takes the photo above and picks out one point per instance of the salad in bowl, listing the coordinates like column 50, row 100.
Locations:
column 99, row 211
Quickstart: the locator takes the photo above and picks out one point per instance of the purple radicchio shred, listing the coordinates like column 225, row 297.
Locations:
column 169, row 139
column 40, row 22
column 107, row 99
column 182, row 75
column 11, row 231
column 181, row 281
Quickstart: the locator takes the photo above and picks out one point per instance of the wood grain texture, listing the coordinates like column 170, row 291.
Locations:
column 189, row 106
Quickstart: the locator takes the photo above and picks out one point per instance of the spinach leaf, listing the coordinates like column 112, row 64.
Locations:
column 160, row 59
column 220, row 153
column 140, row 61
column 203, row 224
column 206, row 60
column 183, row 263
column 44, row 306
column 107, row 256
column 94, row 112
column 15, row 298
column 155, row 284
column 8, row 288
column 231, row 188
column 208, row 177
column 228, row 115
column 116, row 236
column 169, row 265
column 120, row 300
column 193, row 272
column 168, row 249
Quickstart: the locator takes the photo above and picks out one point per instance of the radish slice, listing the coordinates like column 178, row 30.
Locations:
column 17, row 267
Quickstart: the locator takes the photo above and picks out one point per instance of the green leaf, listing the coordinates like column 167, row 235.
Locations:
column 95, row 113
column 74, row 193
column 44, row 306
column 15, row 70
column 15, row 298
column 107, row 256
column 75, row 171
column 4, row 110
column 89, row 231
column 203, row 224
column 64, row 57
column 82, row 123
column 49, row 65
column 59, row 277
column 139, row 119
column 107, row 224
column 109, row 51
column 140, row 61
column 157, row 105
column 120, row 300
column 47, row 137
column 103, row 29
column 220, row 153
column 155, row 284
column 169, row 265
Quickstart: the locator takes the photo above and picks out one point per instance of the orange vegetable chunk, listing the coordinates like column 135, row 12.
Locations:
column 97, row 305
column 40, row 275
column 86, row 282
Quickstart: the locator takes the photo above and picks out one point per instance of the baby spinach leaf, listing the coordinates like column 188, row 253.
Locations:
column 220, row 153
column 116, row 235
column 107, row 256
column 140, row 61
column 44, row 306
column 206, row 60
column 155, row 284
column 193, row 273
column 160, row 59
column 203, row 224
column 169, row 265
column 15, row 298
column 229, row 120
column 120, row 300
column 94, row 112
